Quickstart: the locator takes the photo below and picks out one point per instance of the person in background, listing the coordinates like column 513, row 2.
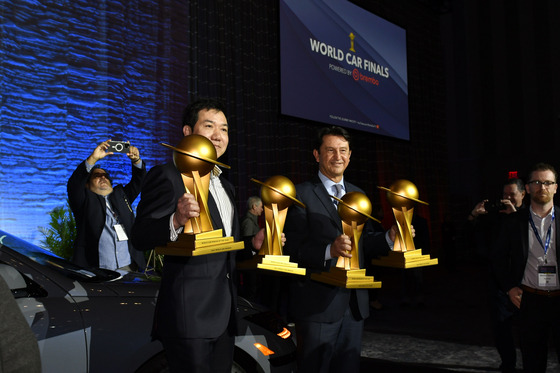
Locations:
column 248, row 279
column 485, row 219
column 250, row 223
column 103, row 213
column 526, row 267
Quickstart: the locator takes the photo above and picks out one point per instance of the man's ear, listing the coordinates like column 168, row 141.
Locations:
column 187, row 130
column 316, row 154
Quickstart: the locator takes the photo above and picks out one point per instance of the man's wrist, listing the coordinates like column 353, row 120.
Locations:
column 91, row 160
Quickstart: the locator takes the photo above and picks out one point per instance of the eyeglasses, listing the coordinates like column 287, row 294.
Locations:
column 99, row 175
column 539, row 183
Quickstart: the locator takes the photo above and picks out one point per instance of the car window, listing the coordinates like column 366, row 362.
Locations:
column 55, row 262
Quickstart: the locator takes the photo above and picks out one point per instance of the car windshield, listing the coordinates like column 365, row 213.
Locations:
column 51, row 260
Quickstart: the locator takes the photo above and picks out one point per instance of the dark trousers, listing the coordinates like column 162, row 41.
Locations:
column 208, row 355
column 329, row 347
column 539, row 319
column 501, row 313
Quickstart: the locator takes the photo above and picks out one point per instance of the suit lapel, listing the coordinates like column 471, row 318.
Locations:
column 327, row 202
column 213, row 207
column 214, row 213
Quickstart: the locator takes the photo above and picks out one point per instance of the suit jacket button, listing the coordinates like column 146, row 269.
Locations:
column 227, row 275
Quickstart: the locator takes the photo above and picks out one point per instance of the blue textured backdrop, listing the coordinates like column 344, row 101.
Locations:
column 77, row 72
column 73, row 74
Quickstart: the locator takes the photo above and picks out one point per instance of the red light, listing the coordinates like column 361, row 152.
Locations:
column 512, row 175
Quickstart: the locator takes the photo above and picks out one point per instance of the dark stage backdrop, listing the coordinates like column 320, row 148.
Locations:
column 77, row 72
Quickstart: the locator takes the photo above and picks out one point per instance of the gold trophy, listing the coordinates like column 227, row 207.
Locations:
column 195, row 157
column 401, row 196
column 354, row 209
column 277, row 193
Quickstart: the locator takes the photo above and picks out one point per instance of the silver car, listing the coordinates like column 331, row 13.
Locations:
column 96, row 320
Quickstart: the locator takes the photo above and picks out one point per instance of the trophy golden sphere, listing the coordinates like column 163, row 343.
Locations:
column 403, row 193
column 283, row 185
column 194, row 153
column 355, row 205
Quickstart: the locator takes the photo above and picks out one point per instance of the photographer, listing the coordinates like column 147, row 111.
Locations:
column 485, row 220
column 103, row 213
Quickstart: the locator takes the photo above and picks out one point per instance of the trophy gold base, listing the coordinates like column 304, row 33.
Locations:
column 405, row 259
column 280, row 263
column 350, row 279
column 190, row 244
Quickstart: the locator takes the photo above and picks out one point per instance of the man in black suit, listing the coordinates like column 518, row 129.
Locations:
column 526, row 265
column 484, row 222
column 329, row 319
column 103, row 213
column 195, row 312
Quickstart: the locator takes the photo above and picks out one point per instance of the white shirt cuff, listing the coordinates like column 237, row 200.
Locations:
column 173, row 233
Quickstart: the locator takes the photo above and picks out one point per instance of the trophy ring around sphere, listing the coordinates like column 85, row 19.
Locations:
column 355, row 207
column 195, row 153
column 279, row 190
column 402, row 194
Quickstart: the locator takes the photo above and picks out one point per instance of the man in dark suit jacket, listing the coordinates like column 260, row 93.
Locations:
column 329, row 319
column 195, row 312
column 103, row 213
column 526, row 265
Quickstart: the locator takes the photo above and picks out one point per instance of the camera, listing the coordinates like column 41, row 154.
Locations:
column 494, row 206
column 118, row 147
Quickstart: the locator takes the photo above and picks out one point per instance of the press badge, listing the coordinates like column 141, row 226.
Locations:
column 121, row 234
column 547, row 276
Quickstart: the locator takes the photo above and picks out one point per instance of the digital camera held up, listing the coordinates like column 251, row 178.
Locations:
column 119, row 147
column 494, row 206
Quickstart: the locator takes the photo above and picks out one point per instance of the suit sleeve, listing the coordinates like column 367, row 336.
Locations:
column 157, row 204
column 374, row 241
column 76, row 188
column 132, row 189
column 306, row 240
column 502, row 255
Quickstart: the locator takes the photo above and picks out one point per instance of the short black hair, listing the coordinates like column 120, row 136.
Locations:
column 102, row 169
column 190, row 114
column 334, row 131
column 514, row 181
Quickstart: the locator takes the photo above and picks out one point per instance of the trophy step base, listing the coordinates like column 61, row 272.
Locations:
column 406, row 259
column 280, row 263
column 350, row 279
column 189, row 250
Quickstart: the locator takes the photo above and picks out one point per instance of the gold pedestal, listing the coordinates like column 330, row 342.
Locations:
column 278, row 194
column 189, row 244
column 354, row 209
column 405, row 259
column 280, row 263
column 350, row 279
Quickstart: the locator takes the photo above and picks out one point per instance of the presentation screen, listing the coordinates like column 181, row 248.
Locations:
column 344, row 66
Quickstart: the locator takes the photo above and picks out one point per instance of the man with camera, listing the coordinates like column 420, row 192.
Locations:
column 485, row 219
column 103, row 212
column 512, row 200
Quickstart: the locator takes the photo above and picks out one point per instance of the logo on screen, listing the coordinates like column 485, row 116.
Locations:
column 352, row 36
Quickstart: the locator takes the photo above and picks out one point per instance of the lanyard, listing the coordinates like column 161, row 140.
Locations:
column 547, row 240
column 110, row 208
